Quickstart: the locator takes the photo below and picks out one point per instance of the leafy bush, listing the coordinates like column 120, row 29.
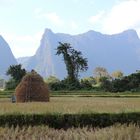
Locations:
column 126, row 83
column 86, row 85
column 69, row 120
column 55, row 84
column 105, row 84
column 68, row 85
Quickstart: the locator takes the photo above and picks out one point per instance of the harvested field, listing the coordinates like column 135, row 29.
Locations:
column 73, row 105
column 117, row 132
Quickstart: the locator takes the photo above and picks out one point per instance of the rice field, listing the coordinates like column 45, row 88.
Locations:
column 117, row 132
column 73, row 105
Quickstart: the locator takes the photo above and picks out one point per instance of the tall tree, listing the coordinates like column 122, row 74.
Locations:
column 100, row 72
column 16, row 72
column 73, row 59
column 117, row 75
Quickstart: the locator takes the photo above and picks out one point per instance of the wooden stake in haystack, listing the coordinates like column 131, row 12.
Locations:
column 32, row 88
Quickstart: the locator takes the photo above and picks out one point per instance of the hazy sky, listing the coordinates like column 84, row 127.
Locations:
column 22, row 22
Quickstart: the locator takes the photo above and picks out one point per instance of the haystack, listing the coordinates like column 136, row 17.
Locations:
column 32, row 88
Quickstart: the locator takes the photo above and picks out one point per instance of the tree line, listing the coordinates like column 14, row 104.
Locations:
column 76, row 63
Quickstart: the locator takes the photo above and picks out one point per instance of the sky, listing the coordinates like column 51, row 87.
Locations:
column 22, row 22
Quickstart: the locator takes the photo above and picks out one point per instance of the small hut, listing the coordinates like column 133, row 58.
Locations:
column 32, row 88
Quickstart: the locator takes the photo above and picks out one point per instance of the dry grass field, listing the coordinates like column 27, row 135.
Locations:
column 73, row 105
column 117, row 132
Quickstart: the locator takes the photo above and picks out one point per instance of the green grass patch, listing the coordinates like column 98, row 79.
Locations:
column 80, row 93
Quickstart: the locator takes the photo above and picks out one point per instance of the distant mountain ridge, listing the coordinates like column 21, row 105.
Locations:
column 114, row 52
column 6, row 57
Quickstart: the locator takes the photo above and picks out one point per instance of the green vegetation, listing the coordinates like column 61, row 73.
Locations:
column 58, row 120
column 16, row 72
column 74, row 62
column 79, row 93
column 103, row 82
column 117, row 75
column 6, row 93
column 117, row 132
column 52, row 80
column 100, row 72
column 126, row 83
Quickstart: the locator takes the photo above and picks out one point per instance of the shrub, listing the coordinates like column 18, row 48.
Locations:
column 105, row 84
column 85, row 84
column 70, row 120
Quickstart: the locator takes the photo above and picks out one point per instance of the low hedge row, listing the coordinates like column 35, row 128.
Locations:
column 70, row 120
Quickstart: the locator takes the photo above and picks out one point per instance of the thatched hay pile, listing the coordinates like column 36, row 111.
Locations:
column 32, row 88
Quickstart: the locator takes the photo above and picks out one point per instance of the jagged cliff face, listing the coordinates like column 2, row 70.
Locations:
column 42, row 61
column 114, row 52
column 6, row 57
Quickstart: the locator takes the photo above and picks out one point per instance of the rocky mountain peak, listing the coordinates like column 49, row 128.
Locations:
column 6, row 57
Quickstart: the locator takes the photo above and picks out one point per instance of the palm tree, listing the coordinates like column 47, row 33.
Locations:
column 73, row 59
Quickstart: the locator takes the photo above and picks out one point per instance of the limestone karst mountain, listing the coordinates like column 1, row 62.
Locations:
column 6, row 57
column 114, row 52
